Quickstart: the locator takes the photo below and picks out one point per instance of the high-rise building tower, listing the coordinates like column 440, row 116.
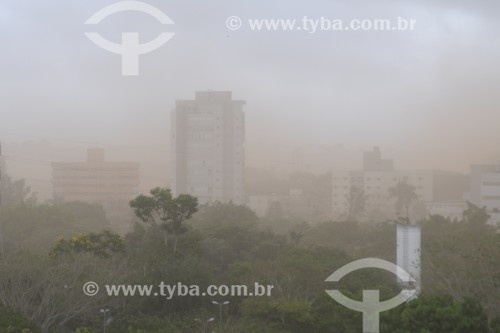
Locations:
column 409, row 253
column 208, row 147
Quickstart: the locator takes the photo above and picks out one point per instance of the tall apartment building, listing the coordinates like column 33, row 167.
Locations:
column 373, row 183
column 208, row 147
column 111, row 184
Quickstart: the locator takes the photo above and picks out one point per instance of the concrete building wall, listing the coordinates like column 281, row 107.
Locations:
column 111, row 184
column 341, row 186
column 409, row 253
column 485, row 189
column 485, row 186
column 375, row 186
column 208, row 147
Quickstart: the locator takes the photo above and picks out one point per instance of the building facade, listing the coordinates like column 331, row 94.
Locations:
column 110, row 184
column 364, row 194
column 207, row 142
column 485, row 190
column 485, row 186
column 409, row 254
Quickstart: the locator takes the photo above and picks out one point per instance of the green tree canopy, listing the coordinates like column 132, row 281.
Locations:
column 101, row 245
column 161, row 208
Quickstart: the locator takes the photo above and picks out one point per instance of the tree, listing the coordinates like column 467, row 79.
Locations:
column 284, row 315
column 475, row 215
column 461, row 260
column 436, row 314
column 295, row 236
column 221, row 214
column 11, row 321
column 161, row 208
column 34, row 228
column 231, row 232
column 138, row 323
column 102, row 245
column 84, row 330
column 405, row 196
column 15, row 192
column 49, row 293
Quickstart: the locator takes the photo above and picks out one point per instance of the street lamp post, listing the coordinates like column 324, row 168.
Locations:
column 205, row 323
column 104, row 311
column 220, row 304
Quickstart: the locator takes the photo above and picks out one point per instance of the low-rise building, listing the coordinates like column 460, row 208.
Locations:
column 364, row 194
column 110, row 184
column 485, row 189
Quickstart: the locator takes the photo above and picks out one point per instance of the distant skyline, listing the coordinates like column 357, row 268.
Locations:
column 428, row 98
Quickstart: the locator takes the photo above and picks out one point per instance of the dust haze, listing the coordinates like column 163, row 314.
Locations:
column 428, row 97
column 259, row 158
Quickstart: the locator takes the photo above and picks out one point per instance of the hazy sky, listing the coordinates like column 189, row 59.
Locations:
column 429, row 97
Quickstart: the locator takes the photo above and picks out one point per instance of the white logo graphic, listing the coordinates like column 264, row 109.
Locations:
column 130, row 49
column 371, row 306
column 234, row 23
column 91, row 288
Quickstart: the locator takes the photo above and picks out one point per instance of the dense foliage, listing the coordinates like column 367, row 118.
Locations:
column 52, row 250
